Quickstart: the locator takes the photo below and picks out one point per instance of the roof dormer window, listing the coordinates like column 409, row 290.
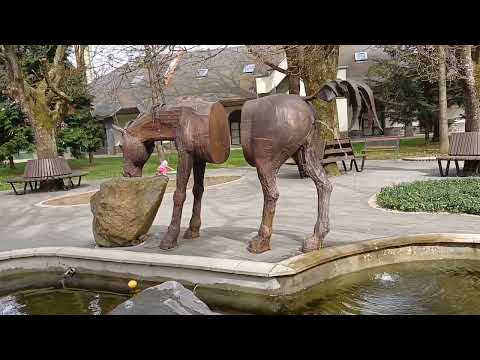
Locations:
column 202, row 73
column 361, row 56
column 138, row 79
column 249, row 69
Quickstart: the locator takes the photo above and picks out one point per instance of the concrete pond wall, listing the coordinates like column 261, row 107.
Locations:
column 246, row 286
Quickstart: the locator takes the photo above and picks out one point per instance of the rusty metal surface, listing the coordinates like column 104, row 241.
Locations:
column 197, row 126
column 273, row 129
column 358, row 94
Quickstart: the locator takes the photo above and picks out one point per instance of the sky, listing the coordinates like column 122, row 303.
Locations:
column 106, row 58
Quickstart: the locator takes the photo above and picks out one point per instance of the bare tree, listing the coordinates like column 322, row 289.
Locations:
column 436, row 64
column 44, row 101
column 442, row 100
column 156, row 64
column 472, row 105
column 315, row 65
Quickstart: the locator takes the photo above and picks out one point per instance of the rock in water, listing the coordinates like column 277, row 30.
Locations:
column 169, row 298
column 124, row 209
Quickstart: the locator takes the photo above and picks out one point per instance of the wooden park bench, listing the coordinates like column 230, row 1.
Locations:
column 342, row 150
column 44, row 170
column 463, row 147
column 382, row 143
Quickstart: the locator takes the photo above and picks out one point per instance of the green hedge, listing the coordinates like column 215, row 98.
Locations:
column 453, row 196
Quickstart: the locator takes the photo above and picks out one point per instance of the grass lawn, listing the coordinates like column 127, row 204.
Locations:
column 408, row 147
column 112, row 166
column 105, row 168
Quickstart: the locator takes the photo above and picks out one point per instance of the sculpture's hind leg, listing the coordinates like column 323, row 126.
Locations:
column 184, row 168
column 314, row 170
column 193, row 230
column 267, row 166
column 268, row 179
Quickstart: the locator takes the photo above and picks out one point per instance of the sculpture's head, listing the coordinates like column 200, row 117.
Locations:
column 135, row 153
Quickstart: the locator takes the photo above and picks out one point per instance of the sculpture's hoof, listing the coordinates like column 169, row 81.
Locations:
column 312, row 243
column 258, row 245
column 144, row 238
column 191, row 234
column 168, row 243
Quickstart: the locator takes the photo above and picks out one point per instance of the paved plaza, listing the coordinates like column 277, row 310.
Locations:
column 232, row 212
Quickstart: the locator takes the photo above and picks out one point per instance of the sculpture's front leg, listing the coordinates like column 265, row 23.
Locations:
column 193, row 230
column 184, row 168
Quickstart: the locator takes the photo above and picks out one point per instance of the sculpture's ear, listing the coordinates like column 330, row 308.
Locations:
column 327, row 93
column 119, row 129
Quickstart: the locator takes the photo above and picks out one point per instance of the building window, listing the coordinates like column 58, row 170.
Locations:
column 137, row 79
column 361, row 56
column 234, row 120
column 249, row 69
column 201, row 73
column 235, row 132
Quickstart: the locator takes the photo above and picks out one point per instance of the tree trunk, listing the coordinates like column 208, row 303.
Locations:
column 476, row 65
column 45, row 142
column 319, row 64
column 293, row 73
column 436, row 128
column 162, row 153
column 442, row 101
column 11, row 162
column 45, row 104
column 91, row 159
column 472, row 105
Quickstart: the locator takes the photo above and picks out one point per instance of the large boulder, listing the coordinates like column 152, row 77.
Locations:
column 169, row 298
column 124, row 209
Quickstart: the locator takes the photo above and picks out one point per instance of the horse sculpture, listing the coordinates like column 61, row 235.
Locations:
column 273, row 129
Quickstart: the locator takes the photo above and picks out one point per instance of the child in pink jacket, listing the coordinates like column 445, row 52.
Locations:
column 163, row 169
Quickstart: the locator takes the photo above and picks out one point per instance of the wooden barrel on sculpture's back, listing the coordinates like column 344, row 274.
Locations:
column 203, row 129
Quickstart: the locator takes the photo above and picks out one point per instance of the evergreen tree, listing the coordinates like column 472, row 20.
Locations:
column 81, row 132
column 15, row 135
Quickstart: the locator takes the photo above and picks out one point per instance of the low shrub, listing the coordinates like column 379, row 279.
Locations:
column 453, row 196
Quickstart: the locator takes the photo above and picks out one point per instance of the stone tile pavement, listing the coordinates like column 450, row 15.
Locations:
column 231, row 214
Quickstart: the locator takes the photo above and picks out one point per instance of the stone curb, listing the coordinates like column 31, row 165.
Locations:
column 307, row 261
column 42, row 203
column 288, row 267
column 239, row 267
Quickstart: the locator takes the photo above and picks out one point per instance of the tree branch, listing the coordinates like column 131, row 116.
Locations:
column 52, row 86
column 2, row 53
column 265, row 61
column 60, row 53
column 80, row 56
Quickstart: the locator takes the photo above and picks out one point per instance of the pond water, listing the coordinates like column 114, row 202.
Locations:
column 444, row 287
column 53, row 301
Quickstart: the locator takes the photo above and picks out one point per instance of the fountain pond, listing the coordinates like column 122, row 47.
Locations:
column 408, row 288
column 432, row 287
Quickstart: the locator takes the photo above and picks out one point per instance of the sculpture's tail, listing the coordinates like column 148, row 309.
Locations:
column 359, row 95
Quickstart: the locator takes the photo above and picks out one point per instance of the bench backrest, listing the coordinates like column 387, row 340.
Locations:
column 46, row 168
column 337, row 147
column 467, row 143
column 382, row 142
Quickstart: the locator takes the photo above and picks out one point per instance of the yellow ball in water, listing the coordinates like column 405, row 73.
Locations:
column 132, row 284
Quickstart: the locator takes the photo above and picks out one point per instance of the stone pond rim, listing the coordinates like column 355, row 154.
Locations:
column 243, row 285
